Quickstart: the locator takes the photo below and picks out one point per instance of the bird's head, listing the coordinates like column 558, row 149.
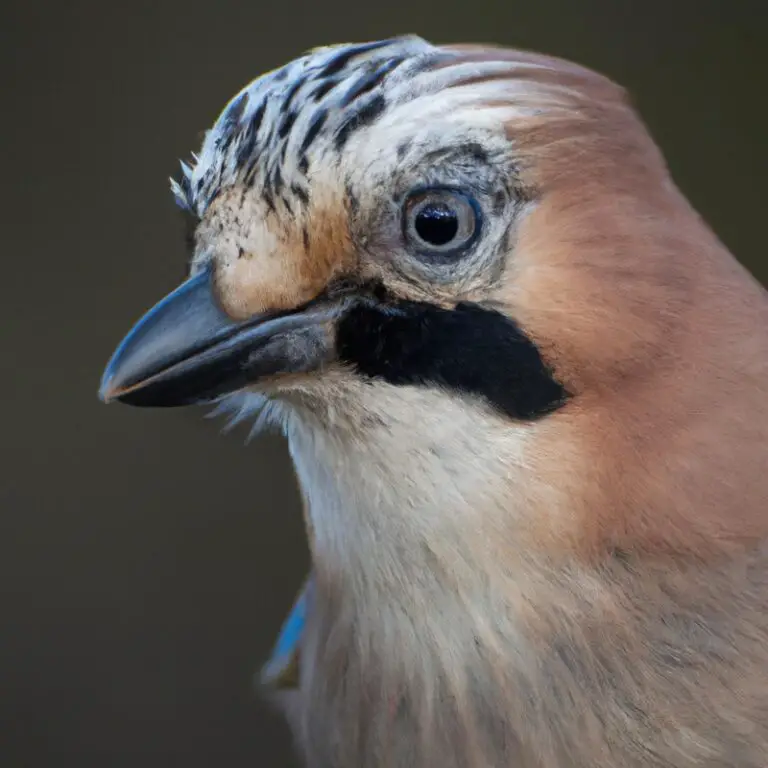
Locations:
column 467, row 260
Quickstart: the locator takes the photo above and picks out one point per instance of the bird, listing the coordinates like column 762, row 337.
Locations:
column 524, row 386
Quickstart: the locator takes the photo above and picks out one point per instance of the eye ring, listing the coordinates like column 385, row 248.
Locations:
column 441, row 222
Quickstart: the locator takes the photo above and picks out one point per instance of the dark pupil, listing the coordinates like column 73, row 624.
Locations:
column 436, row 224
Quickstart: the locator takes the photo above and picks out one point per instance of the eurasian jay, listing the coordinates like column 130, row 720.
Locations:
column 525, row 389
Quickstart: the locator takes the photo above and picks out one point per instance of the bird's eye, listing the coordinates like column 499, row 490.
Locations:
column 440, row 221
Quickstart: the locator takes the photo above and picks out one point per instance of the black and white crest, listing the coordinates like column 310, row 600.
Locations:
column 314, row 107
column 268, row 132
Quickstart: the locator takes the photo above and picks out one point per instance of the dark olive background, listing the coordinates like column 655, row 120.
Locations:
column 146, row 561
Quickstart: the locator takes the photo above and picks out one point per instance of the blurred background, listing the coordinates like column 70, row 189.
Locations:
column 147, row 560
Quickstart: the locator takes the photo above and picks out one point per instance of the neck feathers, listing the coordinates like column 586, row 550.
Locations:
column 389, row 470
column 453, row 621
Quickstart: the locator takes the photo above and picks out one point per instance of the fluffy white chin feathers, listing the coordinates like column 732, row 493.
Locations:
column 239, row 407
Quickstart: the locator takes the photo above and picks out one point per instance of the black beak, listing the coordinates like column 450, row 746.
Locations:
column 186, row 350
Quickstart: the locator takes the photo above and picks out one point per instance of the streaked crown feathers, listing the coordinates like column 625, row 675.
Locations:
column 270, row 132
